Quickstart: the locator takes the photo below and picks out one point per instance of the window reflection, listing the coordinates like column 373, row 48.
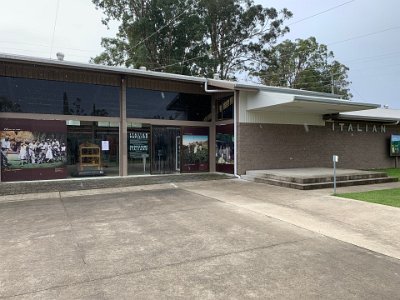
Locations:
column 150, row 104
column 225, row 108
column 56, row 97
column 8, row 106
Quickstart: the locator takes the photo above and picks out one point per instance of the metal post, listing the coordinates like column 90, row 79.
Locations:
column 335, row 159
column 334, row 177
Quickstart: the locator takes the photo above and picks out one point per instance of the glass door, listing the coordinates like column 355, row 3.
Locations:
column 165, row 150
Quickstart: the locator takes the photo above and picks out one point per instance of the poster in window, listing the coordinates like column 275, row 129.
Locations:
column 224, row 149
column 138, row 144
column 195, row 153
column 33, row 149
column 395, row 145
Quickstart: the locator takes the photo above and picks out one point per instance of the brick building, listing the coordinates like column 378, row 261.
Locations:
column 62, row 119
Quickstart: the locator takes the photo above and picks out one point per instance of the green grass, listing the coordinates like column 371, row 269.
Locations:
column 389, row 197
column 393, row 172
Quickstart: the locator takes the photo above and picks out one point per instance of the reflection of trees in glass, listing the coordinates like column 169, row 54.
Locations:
column 77, row 110
column 99, row 112
column 9, row 106
column 66, row 110
column 164, row 118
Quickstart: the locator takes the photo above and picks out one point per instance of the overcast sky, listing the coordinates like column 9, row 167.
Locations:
column 363, row 34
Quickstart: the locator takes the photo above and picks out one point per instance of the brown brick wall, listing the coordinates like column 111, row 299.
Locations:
column 272, row 146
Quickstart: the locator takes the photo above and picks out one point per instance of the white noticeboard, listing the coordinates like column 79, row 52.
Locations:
column 105, row 145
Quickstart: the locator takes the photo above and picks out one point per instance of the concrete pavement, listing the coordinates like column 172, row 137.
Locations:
column 223, row 239
column 371, row 226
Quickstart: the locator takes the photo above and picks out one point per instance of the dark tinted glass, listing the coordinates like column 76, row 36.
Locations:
column 150, row 104
column 225, row 108
column 57, row 97
column 165, row 150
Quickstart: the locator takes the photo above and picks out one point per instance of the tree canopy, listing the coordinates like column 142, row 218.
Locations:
column 303, row 64
column 189, row 37
column 205, row 37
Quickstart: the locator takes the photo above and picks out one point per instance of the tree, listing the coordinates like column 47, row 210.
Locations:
column 187, row 36
column 158, row 34
column 237, row 30
column 8, row 105
column 303, row 64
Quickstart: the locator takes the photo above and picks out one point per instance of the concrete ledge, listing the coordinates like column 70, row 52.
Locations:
column 28, row 197
column 109, row 183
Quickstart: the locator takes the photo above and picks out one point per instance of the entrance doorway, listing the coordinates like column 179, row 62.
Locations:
column 165, row 150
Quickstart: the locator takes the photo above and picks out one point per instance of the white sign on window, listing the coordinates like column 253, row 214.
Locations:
column 105, row 146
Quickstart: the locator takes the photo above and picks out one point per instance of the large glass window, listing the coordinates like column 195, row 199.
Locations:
column 92, row 149
column 150, row 104
column 57, row 97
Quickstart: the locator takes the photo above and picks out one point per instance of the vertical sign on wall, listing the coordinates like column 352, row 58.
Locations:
column 138, row 144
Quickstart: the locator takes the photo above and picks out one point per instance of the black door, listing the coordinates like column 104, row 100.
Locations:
column 165, row 150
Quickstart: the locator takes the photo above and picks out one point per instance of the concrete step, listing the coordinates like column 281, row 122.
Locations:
column 327, row 178
column 323, row 185
column 314, row 179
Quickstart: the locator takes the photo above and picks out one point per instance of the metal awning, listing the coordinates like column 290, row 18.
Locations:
column 372, row 115
column 303, row 104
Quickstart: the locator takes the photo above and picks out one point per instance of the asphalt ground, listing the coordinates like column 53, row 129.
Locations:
column 222, row 239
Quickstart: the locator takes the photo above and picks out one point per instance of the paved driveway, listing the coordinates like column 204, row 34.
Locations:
column 178, row 241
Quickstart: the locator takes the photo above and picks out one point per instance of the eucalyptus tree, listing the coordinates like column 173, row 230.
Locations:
column 303, row 64
column 189, row 37
column 158, row 34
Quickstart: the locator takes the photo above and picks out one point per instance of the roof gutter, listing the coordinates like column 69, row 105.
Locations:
column 214, row 91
